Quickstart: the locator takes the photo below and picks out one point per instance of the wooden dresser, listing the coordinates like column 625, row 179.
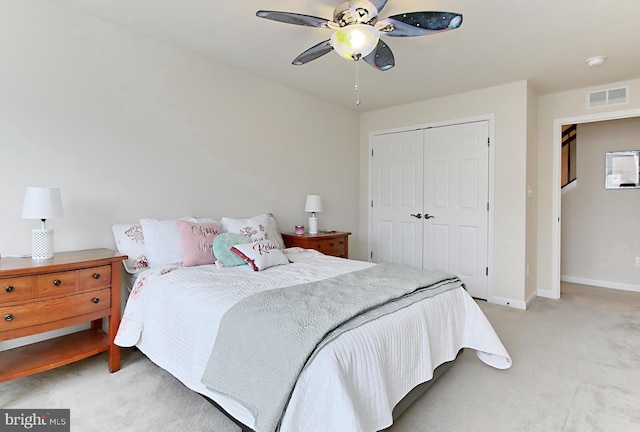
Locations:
column 71, row 288
column 334, row 243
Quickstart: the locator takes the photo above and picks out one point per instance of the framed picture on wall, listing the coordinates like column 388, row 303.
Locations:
column 623, row 170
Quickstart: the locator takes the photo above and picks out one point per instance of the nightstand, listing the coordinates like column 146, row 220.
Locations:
column 334, row 243
column 71, row 288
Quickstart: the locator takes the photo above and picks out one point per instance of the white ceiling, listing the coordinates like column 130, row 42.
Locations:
column 544, row 41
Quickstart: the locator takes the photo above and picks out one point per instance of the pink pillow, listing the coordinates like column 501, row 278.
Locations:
column 196, row 240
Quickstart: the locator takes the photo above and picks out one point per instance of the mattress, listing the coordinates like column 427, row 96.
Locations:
column 173, row 313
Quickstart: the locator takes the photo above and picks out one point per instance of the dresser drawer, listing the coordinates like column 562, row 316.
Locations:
column 94, row 278
column 46, row 311
column 15, row 289
column 52, row 284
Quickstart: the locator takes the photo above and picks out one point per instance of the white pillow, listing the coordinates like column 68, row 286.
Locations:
column 273, row 232
column 130, row 241
column 255, row 227
column 162, row 241
column 260, row 254
column 260, row 227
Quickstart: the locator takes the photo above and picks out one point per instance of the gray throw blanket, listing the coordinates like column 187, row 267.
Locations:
column 265, row 340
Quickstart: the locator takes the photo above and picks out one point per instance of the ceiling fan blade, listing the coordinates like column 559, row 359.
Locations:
column 381, row 58
column 419, row 23
column 313, row 53
column 293, row 18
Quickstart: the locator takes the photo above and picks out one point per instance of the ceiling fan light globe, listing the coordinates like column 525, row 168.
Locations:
column 355, row 41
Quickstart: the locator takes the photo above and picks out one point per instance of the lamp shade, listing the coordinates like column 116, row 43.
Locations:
column 42, row 203
column 355, row 41
column 313, row 204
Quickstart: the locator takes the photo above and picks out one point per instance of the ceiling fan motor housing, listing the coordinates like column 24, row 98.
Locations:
column 355, row 12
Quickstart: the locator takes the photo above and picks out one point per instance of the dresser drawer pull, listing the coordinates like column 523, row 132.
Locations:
column 9, row 288
column 96, row 300
column 57, row 282
column 330, row 243
column 96, row 276
column 8, row 317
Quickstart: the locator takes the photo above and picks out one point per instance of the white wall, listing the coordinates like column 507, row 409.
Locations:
column 129, row 127
column 566, row 107
column 600, row 229
column 509, row 104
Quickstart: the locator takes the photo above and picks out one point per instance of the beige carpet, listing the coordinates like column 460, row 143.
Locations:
column 576, row 367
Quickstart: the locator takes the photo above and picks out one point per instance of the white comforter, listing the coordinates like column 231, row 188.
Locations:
column 354, row 382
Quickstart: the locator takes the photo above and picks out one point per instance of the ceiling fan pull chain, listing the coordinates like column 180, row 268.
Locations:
column 357, row 82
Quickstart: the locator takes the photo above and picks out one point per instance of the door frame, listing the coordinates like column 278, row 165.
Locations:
column 490, row 118
column 556, row 194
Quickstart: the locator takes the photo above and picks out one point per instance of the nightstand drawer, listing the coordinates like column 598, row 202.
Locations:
column 15, row 289
column 52, row 284
column 94, row 278
column 327, row 245
column 46, row 311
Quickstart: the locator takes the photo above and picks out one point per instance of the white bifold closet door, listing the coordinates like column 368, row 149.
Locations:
column 430, row 201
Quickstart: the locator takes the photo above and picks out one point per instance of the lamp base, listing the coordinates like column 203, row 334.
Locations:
column 313, row 225
column 42, row 243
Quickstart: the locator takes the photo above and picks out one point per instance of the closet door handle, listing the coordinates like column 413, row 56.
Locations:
column 428, row 216
column 419, row 216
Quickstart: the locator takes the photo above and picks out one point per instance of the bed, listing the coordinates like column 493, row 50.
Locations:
column 174, row 313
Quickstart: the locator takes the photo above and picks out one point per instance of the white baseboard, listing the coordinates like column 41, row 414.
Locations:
column 531, row 298
column 509, row 302
column 602, row 284
column 547, row 294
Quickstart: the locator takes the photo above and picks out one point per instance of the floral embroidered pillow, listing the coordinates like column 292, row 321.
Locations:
column 255, row 228
column 130, row 241
column 273, row 232
column 261, row 254
column 196, row 240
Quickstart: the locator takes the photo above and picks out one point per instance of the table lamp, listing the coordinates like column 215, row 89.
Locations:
column 313, row 206
column 42, row 203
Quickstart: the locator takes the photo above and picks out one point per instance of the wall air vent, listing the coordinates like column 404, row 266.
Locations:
column 615, row 96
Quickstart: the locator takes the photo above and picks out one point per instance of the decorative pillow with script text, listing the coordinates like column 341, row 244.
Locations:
column 260, row 254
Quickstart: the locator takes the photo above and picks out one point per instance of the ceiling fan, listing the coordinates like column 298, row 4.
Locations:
column 357, row 30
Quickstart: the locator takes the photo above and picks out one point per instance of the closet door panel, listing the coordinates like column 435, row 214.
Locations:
column 456, row 196
column 397, row 194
